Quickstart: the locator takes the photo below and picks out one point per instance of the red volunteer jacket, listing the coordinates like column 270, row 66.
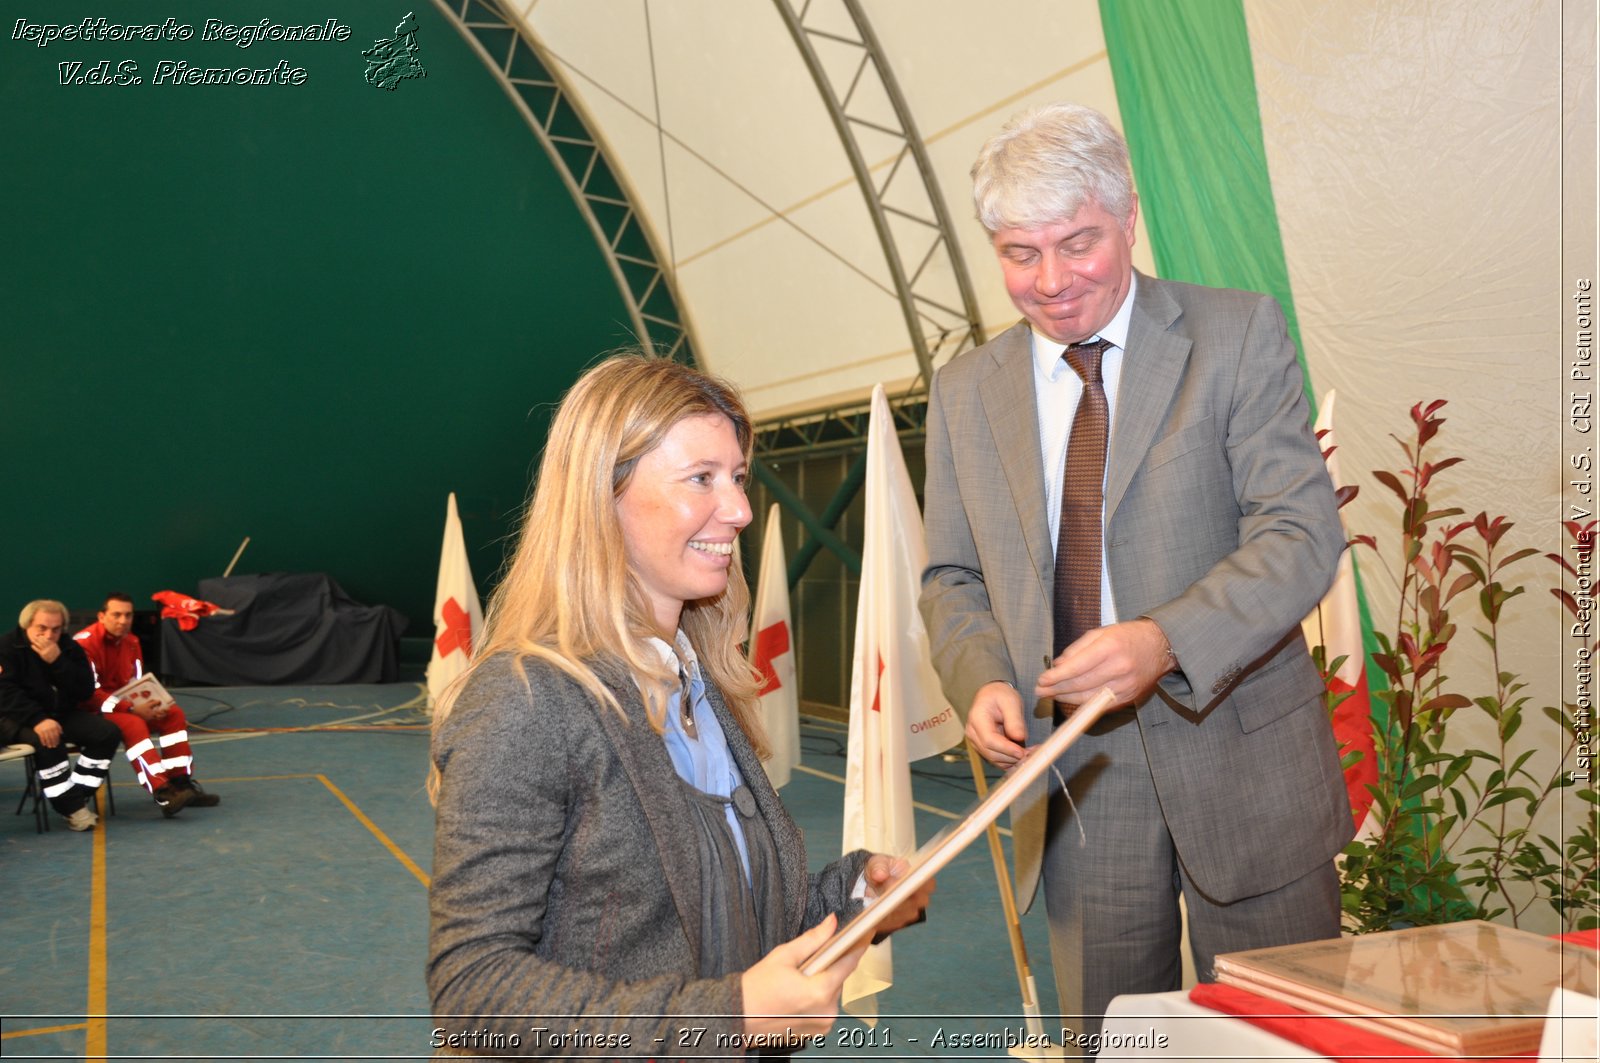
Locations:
column 117, row 662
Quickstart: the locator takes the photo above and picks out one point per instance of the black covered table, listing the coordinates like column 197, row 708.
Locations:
column 288, row 627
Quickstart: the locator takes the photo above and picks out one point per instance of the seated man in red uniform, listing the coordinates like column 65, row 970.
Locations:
column 157, row 740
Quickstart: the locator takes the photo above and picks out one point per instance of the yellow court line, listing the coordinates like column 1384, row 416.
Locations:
column 95, row 1039
column 43, row 1029
column 395, row 850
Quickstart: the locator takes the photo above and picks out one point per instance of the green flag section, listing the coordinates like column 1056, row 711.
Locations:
column 1186, row 90
column 1187, row 93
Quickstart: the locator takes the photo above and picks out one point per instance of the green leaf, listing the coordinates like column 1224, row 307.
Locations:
column 1513, row 793
column 1558, row 717
column 1516, row 765
column 1418, row 786
column 1458, row 765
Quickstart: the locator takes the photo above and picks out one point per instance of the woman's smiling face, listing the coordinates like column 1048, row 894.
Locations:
column 683, row 508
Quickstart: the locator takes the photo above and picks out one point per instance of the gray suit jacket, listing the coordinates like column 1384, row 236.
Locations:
column 1220, row 524
column 565, row 879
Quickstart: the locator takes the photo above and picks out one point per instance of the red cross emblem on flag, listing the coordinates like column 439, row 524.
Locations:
column 457, row 633
column 772, row 642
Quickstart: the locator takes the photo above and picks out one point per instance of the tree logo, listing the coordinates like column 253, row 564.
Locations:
column 392, row 60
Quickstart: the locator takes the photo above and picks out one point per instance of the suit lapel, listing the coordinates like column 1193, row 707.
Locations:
column 643, row 756
column 1012, row 413
column 1152, row 365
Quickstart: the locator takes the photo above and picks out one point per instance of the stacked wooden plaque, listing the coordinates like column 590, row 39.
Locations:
column 1471, row 988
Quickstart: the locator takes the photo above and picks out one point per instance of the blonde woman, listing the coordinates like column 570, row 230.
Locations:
column 610, row 862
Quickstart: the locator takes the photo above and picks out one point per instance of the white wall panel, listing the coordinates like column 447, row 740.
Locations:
column 1414, row 151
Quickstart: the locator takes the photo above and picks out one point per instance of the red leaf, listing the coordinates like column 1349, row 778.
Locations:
column 1392, row 482
column 1462, row 582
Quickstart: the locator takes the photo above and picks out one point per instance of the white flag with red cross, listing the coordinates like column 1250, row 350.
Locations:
column 898, row 711
column 772, row 654
column 457, row 615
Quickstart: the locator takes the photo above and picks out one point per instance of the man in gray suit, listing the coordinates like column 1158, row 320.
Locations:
column 1216, row 532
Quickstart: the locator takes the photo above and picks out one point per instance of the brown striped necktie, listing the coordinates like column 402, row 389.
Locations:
column 1076, row 608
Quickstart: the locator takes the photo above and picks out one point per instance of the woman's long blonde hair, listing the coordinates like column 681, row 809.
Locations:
column 568, row 596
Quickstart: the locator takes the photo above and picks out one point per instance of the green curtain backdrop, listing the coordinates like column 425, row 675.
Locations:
column 1186, row 88
column 299, row 312
column 1187, row 93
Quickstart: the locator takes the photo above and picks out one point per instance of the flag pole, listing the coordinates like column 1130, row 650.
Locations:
column 236, row 555
column 1019, row 949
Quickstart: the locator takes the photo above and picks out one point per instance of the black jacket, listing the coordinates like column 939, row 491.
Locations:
column 31, row 691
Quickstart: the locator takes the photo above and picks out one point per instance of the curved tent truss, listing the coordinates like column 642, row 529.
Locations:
column 907, row 209
column 514, row 57
column 654, row 242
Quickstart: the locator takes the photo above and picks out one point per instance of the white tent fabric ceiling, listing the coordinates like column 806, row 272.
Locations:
column 749, row 192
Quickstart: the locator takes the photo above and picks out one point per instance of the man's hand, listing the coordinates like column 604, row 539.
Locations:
column 49, row 733
column 1127, row 657
column 47, row 648
column 995, row 727
column 143, row 711
column 882, row 872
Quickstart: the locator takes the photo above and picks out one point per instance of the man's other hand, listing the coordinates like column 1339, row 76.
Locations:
column 995, row 727
column 1127, row 657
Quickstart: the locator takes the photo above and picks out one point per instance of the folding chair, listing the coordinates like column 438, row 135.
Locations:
column 41, row 821
column 31, row 787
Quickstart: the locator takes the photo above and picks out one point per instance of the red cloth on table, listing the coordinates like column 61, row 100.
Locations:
column 1329, row 1036
column 185, row 610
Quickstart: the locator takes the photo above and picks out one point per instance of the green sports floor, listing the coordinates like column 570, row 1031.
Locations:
column 291, row 921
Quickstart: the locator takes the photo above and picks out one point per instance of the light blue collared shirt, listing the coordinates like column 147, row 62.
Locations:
column 705, row 763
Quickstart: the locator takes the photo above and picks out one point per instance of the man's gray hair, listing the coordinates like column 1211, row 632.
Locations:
column 1046, row 163
column 41, row 605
